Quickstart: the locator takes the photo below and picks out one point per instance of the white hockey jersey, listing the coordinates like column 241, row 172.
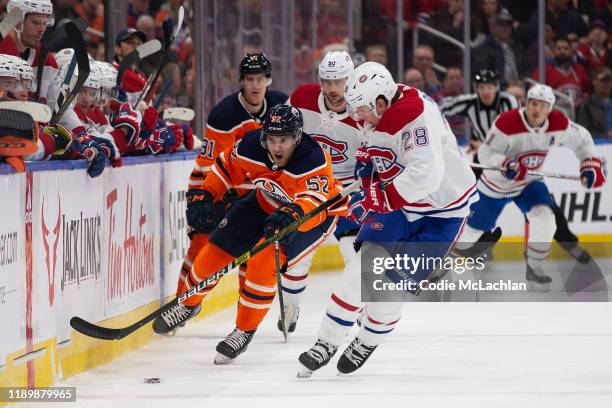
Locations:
column 511, row 136
column 414, row 148
column 337, row 133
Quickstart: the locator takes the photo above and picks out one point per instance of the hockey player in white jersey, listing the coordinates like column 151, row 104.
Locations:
column 416, row 188
column 327, row 121
column 518, row 142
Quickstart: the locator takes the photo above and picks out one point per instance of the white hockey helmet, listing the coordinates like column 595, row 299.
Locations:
column 13, row 67
column 92, row 81
column 336, row 65
column 369, row 81
column 541, row 92
column 108, row 75
column 33, row 6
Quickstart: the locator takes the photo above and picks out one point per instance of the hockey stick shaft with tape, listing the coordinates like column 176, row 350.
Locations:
column 529, row 172
column 106, row 333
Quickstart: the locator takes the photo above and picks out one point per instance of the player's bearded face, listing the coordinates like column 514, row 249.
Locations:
column 537, row 111
column 281, row 148
column 333, row 91
column 254, row 88
column 34, row 26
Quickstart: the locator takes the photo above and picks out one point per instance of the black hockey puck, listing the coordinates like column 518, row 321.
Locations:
column 151, row 380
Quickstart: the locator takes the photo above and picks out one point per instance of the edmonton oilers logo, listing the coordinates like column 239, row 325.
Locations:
column 272, row 190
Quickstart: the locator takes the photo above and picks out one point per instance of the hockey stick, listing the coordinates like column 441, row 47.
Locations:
column 106, row 333
column 529, row 172
column 168, row 40
column 8, row 23
column 134, row 57
column 38, row 111
column 279, row 289
column 185, row 114
column 82, row 61
column 163, row 93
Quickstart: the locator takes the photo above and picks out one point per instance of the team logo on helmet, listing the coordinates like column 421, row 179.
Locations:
column 336, row 149
column 363, row 78
column 385, row 161
column 272, row 190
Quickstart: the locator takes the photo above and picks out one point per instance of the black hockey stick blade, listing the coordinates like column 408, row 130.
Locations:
column 134, row 57
column 107, row 333
column 480, row 247
column 80, row 53
column 14, row 17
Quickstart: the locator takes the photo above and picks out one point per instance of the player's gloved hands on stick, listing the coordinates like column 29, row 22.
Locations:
column 202, row 214
column 281, row 218
column 364, row 167
column 129, row 121
column 593, row 172
column 357, row 212
column 149, row 118
column 513, row 170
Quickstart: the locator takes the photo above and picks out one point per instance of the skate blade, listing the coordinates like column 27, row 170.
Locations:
column 220, row 359
column 304, row 372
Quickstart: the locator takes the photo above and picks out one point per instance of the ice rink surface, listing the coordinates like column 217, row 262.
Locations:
column 441, row 355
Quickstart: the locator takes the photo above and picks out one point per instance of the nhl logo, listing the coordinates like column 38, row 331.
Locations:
column 363, row 78
column 223, row 223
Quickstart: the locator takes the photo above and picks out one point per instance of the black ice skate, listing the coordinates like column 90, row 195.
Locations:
column 315, row 358
column 537, row 280
column 574, row 250
column 234, row 344
column 354, row 356
column 174, row 318
column 292, row 313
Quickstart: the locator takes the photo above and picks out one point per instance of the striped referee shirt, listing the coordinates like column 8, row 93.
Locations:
column 481, row 117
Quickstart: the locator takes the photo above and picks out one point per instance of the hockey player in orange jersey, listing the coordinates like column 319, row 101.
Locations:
column 227, row 122
column 292, row 176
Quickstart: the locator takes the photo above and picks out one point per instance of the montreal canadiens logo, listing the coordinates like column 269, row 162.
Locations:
column 532, row 160
column 363, row 78
column 336, row 149
column 272, row 190
column 385, row 161
column 377, row 226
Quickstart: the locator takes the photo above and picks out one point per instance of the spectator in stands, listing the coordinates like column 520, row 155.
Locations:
column 452, row 85
column 136, row 8
column 92, row 12
column 595, row 114
column 423, row 60
column 500, row 51
column 517, row 89
column 561, row 18
column 65, row 10
column 449, row 20
column 377, row 53
column 565, row 75
column 414, row 78
column 594, row 53
column 146, row 24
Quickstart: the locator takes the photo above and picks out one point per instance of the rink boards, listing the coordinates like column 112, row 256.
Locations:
column 109, row 250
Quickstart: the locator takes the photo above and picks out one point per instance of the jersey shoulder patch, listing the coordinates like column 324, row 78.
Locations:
column 403, row 111
column 307, row 97
column 275, row 97
column 510, row 122
column 227, row 114
column 307, row 157
column 557, row 121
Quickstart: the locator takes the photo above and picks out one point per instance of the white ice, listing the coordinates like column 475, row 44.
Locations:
column 441, row 355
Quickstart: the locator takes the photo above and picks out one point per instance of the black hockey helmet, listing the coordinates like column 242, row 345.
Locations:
column 486, row 76
column 283, row 120
column 255, row 64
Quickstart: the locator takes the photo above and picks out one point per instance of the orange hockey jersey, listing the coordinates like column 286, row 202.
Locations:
column 307, row 179
column 227, row 122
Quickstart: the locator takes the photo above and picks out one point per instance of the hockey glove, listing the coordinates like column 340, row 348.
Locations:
column 61, row 136
column 363, row 167
column 593, row 172
column 513, row 170
column 149, row 118
column 281, row 218
column 128, row 120
column 96, row 160
column 202, row 215
column 357, row 211
column 188, row 139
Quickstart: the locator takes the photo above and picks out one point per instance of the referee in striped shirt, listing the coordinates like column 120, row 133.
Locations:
column 481, row 107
